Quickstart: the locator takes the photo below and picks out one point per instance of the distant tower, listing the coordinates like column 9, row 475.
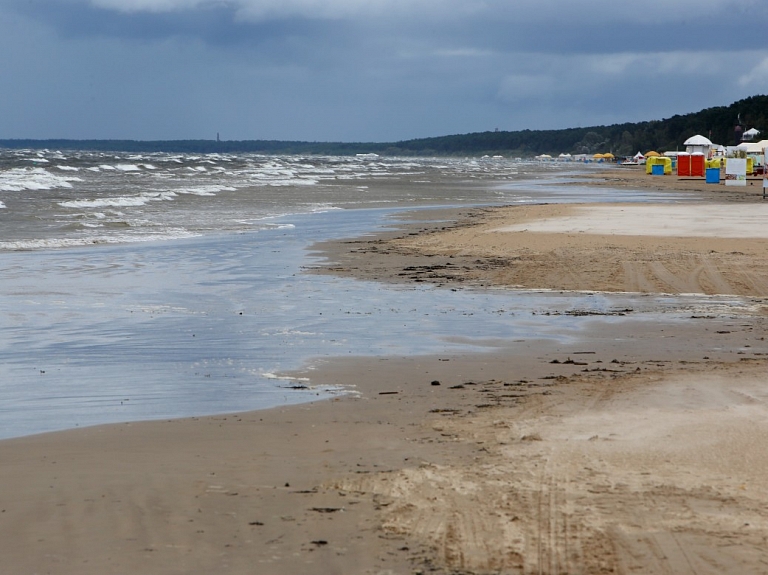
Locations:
column 217, row 137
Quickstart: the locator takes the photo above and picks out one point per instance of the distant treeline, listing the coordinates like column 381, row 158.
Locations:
column 718, row 124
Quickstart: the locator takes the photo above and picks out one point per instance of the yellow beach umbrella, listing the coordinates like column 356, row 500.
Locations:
column 652, row 153
column 597, row 156
column 608, row 156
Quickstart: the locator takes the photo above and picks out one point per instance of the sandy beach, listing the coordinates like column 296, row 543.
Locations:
column 639, row 447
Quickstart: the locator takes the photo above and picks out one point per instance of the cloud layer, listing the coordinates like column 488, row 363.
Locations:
column 367, row 69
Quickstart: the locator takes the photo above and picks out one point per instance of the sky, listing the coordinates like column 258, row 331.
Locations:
column 367, row 70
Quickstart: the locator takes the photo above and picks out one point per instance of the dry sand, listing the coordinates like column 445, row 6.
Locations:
column 641, row 449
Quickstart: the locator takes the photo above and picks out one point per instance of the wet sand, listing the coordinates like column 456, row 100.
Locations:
column 637, row 449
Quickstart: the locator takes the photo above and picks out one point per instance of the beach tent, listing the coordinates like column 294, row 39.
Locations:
column 697, row 141
column 749, row 134
column 753, row 147
column 658, row 160
column 698, row 144
column 638, row 156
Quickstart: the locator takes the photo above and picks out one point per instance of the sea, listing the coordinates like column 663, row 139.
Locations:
column 153, row 286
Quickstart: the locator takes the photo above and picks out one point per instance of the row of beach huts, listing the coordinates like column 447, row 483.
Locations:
column 701, row 159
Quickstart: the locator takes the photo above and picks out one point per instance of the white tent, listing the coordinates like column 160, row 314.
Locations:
column 749, row 134
column 698, row 145
column 753, row 147
column 697, row 141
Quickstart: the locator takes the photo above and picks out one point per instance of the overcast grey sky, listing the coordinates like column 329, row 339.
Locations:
column 367, row 70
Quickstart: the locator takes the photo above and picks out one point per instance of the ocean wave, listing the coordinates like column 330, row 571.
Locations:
column 284, row 182
column 322, row 208
column 210, row 190
column 20, row 179
column 268, row 226
column 54, row 243
column 119, row 201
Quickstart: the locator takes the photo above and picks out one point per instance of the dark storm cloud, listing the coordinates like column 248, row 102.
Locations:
column 373, row 69
column 214, row 24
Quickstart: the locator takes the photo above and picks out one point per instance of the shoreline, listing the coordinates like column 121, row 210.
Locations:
column 474, row 251
column 539, row 457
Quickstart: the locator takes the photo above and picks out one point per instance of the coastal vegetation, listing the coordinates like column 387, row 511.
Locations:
column 717, row 123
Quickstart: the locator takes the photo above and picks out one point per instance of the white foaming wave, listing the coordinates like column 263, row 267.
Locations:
column 120, row 201
column 265, row 221
column 68, row 168
column 210, row 190
column 354, row 176
column 54, row 243
column 277, row 175
column 270, row 375
column 123, row 202
column 128, row 168
column 294, row 182
column 322, row 208
column 19, row 179
column 268, row 226
column 2, row 205
column 268, row 180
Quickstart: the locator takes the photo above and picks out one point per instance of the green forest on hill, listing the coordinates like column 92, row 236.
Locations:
column 718, row 124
